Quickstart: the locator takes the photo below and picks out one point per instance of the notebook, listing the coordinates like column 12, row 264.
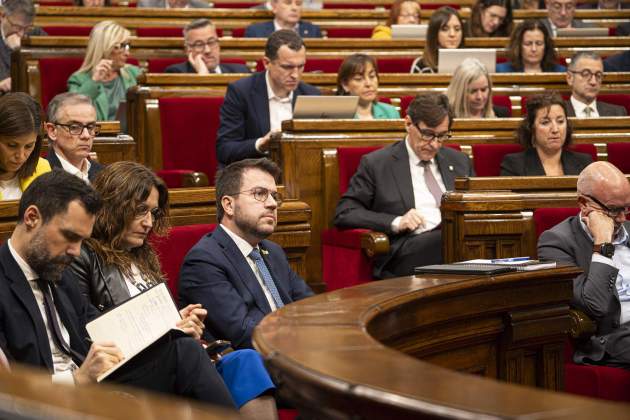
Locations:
column 480, row 269
column 409, row 31
column 581, row 32
column 449, row 59
column 325, row 107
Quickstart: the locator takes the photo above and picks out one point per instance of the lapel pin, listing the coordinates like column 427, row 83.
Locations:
column 264, row 251
column 450, row 168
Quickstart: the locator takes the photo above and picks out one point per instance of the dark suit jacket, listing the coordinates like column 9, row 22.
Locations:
column 381, row 190
column 604, row 109
column 594, row 291
column 216, row 274
column 245, row 117
column 54, row 161
column 501, row 111
column 623, row 29
column 186, row 67
column 23, row 335
column 264, row 29
column 528, row 163
column 618, row 62
column 5, row 54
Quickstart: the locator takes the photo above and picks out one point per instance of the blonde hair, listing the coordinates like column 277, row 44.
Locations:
column 103, row 38
column 467, row 72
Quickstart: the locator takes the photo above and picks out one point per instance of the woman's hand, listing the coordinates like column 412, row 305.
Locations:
column 192, row 320
column 102, row 71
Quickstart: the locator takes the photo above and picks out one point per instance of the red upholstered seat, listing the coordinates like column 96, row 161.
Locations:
column 592, row 381
column 618, row 154
column 395, row 65
column 238, row 32
column 158, row 65
column 344, row 263
column 67, row 30
column 504, row 101
column 589, row 149
column 487, row 157
column 172, row 249
column 165, row 32
column 189, row 128
column 349, row 32
column 621, row 99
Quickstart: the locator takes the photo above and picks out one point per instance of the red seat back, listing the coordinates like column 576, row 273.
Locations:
column 158, row 65
column 172, row 249
column 618, row 155
column 165, row 32
column 504, row 101
column 54, row 73
column 189, row 129
column 395, row 65
column 546, row 218
column 238, row 32
column 348, row 159
column 67, row 30
column 487, row 157
column 589, row 149
column 349, row 32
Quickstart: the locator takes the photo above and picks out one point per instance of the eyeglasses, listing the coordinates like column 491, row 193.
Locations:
column 261, row 194
column 123, row 46
column 76, row 129
column 610, row 211
column 17, row 27
column 199, row 46
column 587, row 74
column 556, row 7
column 142, row 211
column 429, row 135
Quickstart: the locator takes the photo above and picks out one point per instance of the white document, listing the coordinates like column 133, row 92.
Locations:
column 136, row 324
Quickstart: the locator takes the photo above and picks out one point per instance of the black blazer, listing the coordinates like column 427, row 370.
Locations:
column 54, row 161
column 528, row 163
column 264, row 29
column 245, row 117
column 381, row 190
column 603, row 109
column 501, row 111
column 186, row 67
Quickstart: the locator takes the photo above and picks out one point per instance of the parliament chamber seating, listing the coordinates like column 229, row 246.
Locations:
column 487, row 157
column 68, row 30
column 165, row 32
column 500, row 100
column 158, row 65
column 349, row 32
column 619, row 155
column 604, row 382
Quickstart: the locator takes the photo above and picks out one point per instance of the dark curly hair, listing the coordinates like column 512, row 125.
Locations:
column 525, row 131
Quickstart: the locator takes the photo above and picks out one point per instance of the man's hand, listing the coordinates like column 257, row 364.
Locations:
column 601, row 226
column 102, row 71
column 264, row 142
column 197, row 62
column 5, row 85
column 13, row 41
column 411, row 221
column 100, row 358
column 192, row 320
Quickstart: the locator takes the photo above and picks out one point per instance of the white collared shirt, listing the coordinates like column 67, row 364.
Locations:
column 424, row 201
column 579, row 108
column 621, row 261
column 70, row 168
column 217, row 69
column 62, row 363
column 277, row 27
column 246, row 249
column 280, row 109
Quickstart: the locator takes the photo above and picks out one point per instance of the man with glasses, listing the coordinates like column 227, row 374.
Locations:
column 584, row 76
column 254, row 107
column 234, row 272
column 560, row 15
column 398, row 189
column 596, row 240
column 16, row 20
column 71, row 128
column 203, row 51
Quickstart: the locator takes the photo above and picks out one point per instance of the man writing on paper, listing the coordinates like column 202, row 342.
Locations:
column 596, row 240
column 43, row 316
column 398, row 189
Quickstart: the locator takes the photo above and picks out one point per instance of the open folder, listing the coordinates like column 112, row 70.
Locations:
column 136, row 324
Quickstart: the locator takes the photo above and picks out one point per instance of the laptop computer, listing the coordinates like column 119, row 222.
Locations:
column 581, row 32
column 449, row 59
column 325, row 107
column 409, row 31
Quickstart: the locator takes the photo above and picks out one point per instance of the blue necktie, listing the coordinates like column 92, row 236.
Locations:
column 266, row 275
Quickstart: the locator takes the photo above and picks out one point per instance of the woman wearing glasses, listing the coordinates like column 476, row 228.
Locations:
column 531, row 50
column 20, row 144
column 545, row 133
column 403, row 12
column 105, row 75
column 118, row 262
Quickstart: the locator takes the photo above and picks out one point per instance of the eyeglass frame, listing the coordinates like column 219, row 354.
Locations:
column 253, row 191
column 587, row 74
column 439, row 137
column 125, row 45
column 96, row 128
column 18, row 27
column 610, row 212
column 207, row 43
column 156, row 213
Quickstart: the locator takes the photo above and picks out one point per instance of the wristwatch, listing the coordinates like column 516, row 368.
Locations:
column 606, row 249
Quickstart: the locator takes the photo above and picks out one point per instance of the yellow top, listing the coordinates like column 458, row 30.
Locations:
column 42, row 167
column 382, row 32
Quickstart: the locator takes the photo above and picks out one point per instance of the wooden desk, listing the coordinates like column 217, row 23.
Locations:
column 402, row 348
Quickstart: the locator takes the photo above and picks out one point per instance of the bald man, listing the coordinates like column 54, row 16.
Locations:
column 596, row 240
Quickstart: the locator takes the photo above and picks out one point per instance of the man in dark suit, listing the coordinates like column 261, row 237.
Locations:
column 43, row 314
column 71, row 129
column 286, row 16
column 596, row 240
column 175, row 4
column 398, row 189
column 560, row 16
column 584, row 76
column 202, row 48
column 234, row 272
column 254, row 107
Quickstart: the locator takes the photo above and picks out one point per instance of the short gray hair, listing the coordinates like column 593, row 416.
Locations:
column 583, row 54
column 24, row 7
column 197, row 24
column 65, row 99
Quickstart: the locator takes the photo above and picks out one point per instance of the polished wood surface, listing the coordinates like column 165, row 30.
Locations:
column 26, row 393
column 404, row 348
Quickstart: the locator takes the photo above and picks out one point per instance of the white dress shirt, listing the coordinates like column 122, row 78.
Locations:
column 70, row 168
column 62, row 363
column 424, row 201
column 280, row 109
column 579, row 108
column 246, row 249
column 277, row 27
column 10, row 189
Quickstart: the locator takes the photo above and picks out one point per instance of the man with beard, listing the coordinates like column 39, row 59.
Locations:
column 43, row 315
column 234, row 272
column 596, row 240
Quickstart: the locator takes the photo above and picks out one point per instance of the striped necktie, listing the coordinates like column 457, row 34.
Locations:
column 266, row 275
